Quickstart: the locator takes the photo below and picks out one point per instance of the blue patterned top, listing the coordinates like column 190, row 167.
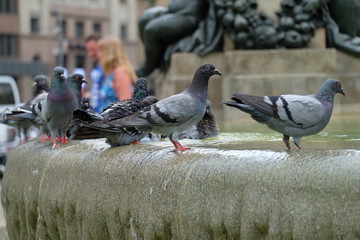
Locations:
column 97, row 77
column 107, row 92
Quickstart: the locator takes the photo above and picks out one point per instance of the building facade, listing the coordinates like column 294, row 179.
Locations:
column 36, row 35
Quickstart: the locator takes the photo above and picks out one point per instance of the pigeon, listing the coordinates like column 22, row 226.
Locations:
column 23, row 116
column 41, row 84
column 174, row 114
column 205, row 128
column 292, row 115
column 57, row 108
column 76, row 80
column 95, row 125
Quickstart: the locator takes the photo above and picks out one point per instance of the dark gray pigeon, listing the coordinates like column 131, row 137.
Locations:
column 175, row 114
column 57, row 109
column 205, row 128
column 75, row 81
column 292, row 115
column 41, row 85
column 94, row 125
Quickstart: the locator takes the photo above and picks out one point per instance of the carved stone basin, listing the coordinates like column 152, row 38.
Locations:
column 237, row 185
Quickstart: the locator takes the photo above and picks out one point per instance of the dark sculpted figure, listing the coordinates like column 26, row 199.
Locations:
column 342, row 25
column 161, row 27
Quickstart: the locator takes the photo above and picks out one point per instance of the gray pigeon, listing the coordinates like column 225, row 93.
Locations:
column 205, row 128
column 292, row 115
column 175, row 114
column 57, row 109
column 22, row 116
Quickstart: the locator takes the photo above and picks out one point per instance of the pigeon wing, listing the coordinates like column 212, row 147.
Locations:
column 301, row 111
column 173, row 110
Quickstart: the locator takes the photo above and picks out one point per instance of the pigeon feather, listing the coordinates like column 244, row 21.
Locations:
column 205, row 128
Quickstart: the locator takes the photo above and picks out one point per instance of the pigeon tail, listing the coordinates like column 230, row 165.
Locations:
column 255, row 114
column 87, row 117
column 87, row 133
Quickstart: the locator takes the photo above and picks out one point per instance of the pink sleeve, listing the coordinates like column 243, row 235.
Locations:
column 122, row 84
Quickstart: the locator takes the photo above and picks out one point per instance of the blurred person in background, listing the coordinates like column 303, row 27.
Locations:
column 97, row 74
column 120, row 76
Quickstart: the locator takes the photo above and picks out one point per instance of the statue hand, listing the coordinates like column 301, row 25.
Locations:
column 310, row 5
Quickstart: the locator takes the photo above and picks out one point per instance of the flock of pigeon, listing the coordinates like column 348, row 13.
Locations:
column 61, row 113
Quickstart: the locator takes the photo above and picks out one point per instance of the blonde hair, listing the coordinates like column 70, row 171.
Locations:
column 113, row 55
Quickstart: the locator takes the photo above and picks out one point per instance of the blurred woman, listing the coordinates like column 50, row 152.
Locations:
column 119, row 73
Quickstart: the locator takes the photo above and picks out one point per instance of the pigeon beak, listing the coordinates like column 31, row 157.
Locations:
column 34, row 84
column 216, row 72
column 342, row 92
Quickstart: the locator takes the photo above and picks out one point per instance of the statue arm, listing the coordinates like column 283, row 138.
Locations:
column 340, row 40
column 310, row 5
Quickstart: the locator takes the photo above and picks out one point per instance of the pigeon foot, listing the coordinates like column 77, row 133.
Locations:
column 56, row 145
column 179, row 147
column 63, row 140
column 44, row 139
column 298, row 146
column 286, row 139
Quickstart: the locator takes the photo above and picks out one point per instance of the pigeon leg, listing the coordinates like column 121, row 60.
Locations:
column 135, row 142
column 43, row 138
column 178, row 146
column 286, row 139
column 297, row 142
column 56, row 145
column 60, row 139
column 65, row 140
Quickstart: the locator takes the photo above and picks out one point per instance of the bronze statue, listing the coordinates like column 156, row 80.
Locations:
column 167, row 30
column 342, row 26
column 199, row 26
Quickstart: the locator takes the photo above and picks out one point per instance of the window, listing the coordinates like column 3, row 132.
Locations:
column 65, row 60
column 80, row 61
column 79, row 28
column 97, row 28
column 34, row 25
column 8, row 45
column 8, row 6
column 63, row 25
column 6, row 94
column 123, row 32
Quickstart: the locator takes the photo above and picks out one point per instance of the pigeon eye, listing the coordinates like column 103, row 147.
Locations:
column 207, row 68
column 338, row 84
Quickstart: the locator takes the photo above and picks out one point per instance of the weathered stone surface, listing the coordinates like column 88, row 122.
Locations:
column 85, row 190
